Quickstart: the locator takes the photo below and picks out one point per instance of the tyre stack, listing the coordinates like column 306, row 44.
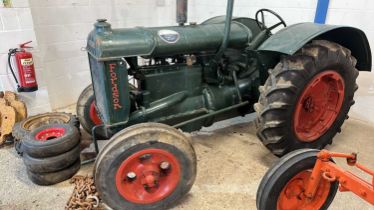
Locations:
column 51, row 153
column 21, row 129
column 50, row 146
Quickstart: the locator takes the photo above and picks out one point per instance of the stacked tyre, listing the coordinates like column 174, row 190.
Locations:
column 51, row 153
column 23, row 128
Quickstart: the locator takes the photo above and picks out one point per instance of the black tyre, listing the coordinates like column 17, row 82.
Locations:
column 165, row 151
column 18, row 147
column 54, row 177
column 52, row 164
column 51, row 140
column 283, row 184
column 306, row 98
column 87, row 114
column 21, row 129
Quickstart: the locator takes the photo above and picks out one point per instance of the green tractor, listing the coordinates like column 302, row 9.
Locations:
column 148, row 84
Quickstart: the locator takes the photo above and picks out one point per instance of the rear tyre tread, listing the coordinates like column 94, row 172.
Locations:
column 281, row 89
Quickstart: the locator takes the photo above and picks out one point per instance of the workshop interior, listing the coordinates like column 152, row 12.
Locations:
column 186, row 104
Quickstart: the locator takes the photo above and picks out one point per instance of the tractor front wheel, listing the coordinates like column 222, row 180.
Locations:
column 283, row 186
column 306, row 98
column 145, row 166
column 87, row 113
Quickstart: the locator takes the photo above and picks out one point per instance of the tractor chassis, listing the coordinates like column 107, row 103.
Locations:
column 179, row 125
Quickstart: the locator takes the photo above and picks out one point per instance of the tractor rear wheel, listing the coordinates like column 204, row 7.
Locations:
column 145, row 166
column 283, row 185
column 306, row 98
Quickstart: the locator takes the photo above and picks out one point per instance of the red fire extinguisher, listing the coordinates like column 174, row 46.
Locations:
column 25, row 65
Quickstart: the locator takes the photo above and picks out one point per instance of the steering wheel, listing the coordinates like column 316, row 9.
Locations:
column 261, row 24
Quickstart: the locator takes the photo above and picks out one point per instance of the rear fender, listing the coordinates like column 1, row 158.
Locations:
column 289, row 40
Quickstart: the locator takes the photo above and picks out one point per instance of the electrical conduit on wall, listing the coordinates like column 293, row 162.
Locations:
column 321, row 11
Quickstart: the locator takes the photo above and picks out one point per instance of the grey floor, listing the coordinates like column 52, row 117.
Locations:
column 231, row 162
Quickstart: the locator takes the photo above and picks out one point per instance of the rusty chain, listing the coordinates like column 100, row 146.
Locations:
column 85, row 196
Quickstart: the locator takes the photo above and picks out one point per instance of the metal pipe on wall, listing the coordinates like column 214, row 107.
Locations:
column 321, row 11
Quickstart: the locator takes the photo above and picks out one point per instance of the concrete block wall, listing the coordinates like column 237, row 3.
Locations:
column 62, row 27
column 16, row 26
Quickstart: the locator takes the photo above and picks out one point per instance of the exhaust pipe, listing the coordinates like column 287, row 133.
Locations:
column 226, row 36
column 182, row 7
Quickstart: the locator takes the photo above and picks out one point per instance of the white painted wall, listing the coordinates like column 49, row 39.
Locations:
column 357, row 13
column 61, row 28
column 16, row 26
column 292, row 11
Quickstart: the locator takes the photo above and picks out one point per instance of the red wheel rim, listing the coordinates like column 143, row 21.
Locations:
column 292, row 195
column 93, row 114
column 318, row 106
column 143, row 178
column 49, row 133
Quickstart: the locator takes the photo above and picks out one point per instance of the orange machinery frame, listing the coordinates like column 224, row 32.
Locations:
column 325, row 169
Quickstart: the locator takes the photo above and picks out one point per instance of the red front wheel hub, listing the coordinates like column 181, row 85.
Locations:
column 93, row 114
column 318, row 106
column 148, row 176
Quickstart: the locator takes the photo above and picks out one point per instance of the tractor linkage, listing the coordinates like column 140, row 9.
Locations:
column 328, row 170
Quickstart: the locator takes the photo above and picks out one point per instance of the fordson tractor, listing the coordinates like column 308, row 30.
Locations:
column 150, row 84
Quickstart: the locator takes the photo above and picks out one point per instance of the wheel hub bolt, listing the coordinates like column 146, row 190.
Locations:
column 131, row 175
column 165, row 165
column 145, row 156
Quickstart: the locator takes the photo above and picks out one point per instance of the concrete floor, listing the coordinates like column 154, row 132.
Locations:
column 231, row 163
